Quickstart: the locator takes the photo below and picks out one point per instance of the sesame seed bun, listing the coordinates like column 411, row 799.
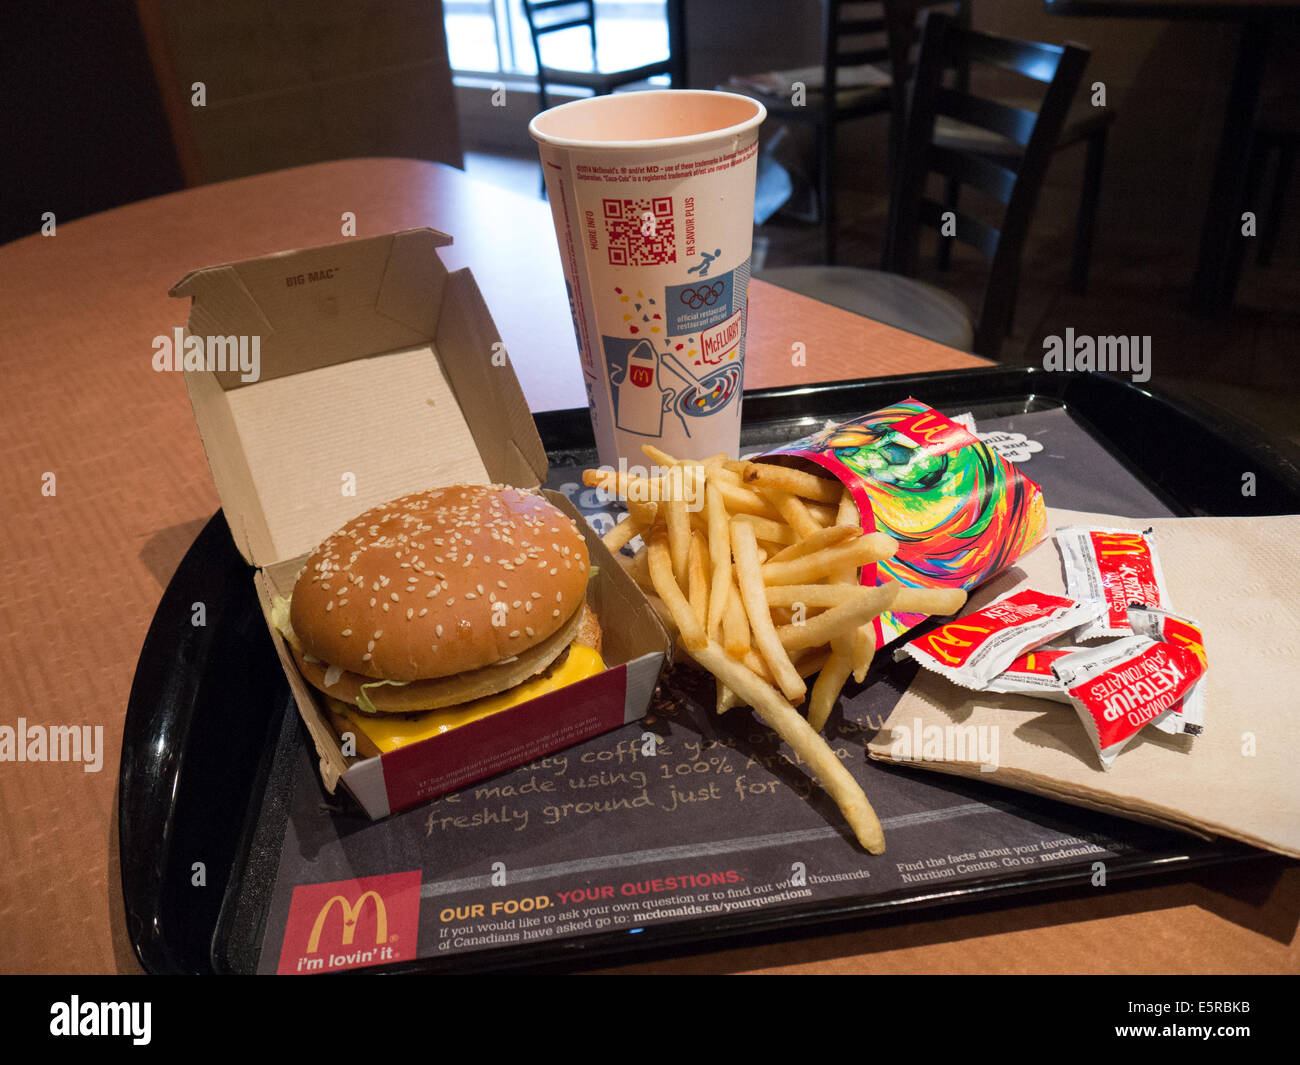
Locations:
column 440, row 583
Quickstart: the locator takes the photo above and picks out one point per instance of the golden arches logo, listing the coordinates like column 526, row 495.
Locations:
column 351, row 911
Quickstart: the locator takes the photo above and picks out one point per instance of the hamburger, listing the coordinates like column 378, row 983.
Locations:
column 439, row 608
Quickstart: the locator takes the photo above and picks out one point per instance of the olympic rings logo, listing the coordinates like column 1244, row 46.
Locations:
column 704, row 296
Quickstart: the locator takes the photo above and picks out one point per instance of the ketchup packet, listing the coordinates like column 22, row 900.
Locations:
column 1031, row 674
column 1188, row 717
column 974, row 649
column 1113, row 566
column 1119, row 688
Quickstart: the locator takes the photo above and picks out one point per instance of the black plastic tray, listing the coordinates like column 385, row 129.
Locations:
column 210, row 721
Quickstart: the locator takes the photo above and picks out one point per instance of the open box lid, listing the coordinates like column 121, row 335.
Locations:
column 365, row 370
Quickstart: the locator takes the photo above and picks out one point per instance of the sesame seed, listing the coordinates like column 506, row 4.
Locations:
column 514, row 633
column 470, row 595
column 555, row 613
column 385, row 608
column 438, row 630
column 410, row 612
column 329, row 606
column 424, row 611
column 365, row 657
column 347, row 632
column 373, row 600
column 528, row 630
column 501, row 584
column 393, row 596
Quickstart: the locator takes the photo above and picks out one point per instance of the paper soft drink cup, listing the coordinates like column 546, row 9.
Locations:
column 653, row 199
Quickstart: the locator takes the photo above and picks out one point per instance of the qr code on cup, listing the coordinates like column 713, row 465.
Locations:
column 640, row 232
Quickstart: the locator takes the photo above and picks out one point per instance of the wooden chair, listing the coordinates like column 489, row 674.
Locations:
column 893, row 295
column 854, row 80
column 553, row 16
column 1084, row 124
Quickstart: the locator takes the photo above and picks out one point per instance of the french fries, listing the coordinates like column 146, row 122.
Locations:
column 790, row 725
column 874, row 547
column 805, row 485
column 758, row 578
column 665, row 584
column 744, row 549
column 617, row 537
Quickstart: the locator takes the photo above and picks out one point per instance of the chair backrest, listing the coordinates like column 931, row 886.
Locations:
column 946, row 46
column 855, row 33
column 905, row 18
column 551, row 16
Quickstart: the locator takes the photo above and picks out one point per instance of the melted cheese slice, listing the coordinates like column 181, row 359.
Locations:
column 387, row 732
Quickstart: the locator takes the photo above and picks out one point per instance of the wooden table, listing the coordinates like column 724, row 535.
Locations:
column 84, row 568
column 1222, row 248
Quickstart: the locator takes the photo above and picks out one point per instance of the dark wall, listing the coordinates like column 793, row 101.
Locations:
column 82, row 127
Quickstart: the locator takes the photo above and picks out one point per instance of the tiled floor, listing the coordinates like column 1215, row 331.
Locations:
column 1244, row 363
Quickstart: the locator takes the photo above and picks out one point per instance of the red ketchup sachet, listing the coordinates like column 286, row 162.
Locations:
column 973, row 649
column 1111, row 566
column 1121, row 687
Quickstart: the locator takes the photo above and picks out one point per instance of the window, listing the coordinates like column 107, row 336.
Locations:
column 489, row 38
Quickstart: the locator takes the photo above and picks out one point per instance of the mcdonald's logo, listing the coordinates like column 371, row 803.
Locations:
column 350, row 910
column 348, row 924
column 933, row 432
column 947, row 636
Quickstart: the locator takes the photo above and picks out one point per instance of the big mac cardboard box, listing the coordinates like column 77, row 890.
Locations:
column 331, row 380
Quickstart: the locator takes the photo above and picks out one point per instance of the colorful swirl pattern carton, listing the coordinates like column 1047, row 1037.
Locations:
column 959, row 511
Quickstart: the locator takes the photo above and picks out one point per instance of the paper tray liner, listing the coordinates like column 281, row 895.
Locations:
column 1237, row 578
